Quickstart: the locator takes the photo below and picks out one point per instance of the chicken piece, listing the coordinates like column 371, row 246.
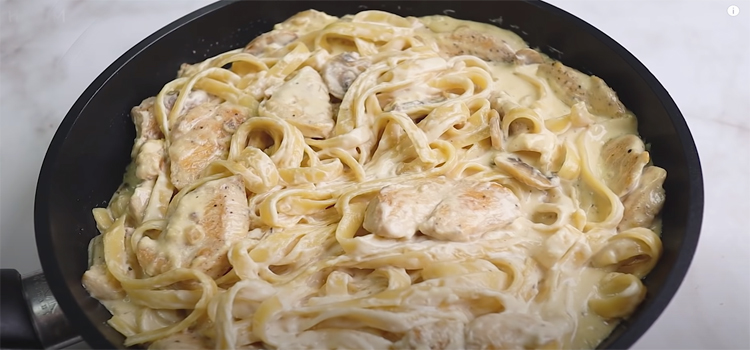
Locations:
column 646, row 201
column 101, row 284
column 528, row 56
column 398, row 209
column 568, row 84
column 303, row 101
column 205, row 223
column 201, row 136
column 333, row 338
column 471, row 210
column 270, row 42
column 511, row 330
column 140, row 198
column 146, row 125
column 623, row 160
column 467, row 41
column 340, row 72
column 150, row 159
column 603, row 100
column 441, row 335
column 571, row 86
column 525, row 173
column 159, row 198
column 440, row 209
column 194, row 98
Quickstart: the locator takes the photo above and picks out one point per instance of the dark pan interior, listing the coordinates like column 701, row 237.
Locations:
column 91, row 148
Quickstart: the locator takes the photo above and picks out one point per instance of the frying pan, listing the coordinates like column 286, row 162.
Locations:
column 88, row 154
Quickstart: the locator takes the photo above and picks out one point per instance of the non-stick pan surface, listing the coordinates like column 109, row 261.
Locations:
column 89, row 152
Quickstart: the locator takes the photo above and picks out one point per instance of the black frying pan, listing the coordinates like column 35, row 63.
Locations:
column 89, row 152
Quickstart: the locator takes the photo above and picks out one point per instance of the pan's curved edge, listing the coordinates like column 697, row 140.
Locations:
column 44, row 242
column 696, row 202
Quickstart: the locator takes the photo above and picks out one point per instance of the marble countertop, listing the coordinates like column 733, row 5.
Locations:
column 51, row 50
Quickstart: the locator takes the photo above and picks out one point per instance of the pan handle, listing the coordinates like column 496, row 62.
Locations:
column 30, row 317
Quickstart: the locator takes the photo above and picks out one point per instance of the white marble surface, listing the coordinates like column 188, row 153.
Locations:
column 51, row 50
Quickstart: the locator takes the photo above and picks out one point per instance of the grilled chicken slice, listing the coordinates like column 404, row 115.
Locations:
column 646, row 201
column 206, row 222
column 201, row 136
column 140, row 198
column 567, row 83
column 146, row 125
column 303, row 101
column 603, row 100
column 511, row 330
column 470, row 210
column 572, row 86
column 101, row 284
column 623, row 160
column 528, row 56
column 467, row 41
column 191, row 132
column 441, row 209
column 398, row 209
column 441, row 335
column 268, row 42
column 150, row 159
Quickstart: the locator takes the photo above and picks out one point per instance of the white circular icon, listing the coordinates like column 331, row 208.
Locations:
column 733, row 10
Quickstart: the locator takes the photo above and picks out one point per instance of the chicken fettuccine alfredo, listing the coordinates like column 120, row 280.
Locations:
column 376, row 182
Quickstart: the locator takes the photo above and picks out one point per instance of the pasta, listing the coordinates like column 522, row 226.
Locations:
column 376, row 181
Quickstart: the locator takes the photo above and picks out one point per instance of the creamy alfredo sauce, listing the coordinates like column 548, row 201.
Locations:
column 379, row 182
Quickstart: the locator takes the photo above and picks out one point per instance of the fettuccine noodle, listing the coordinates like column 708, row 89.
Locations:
column 374, row 182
